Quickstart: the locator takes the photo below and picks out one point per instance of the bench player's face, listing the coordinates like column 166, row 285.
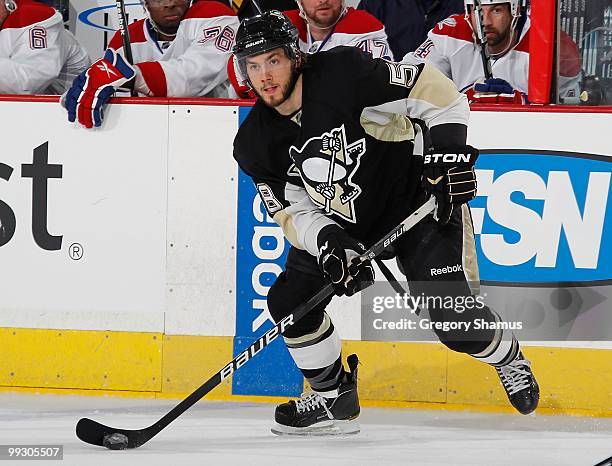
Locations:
column 323, row 13
column 167, row 14
column 270, row 74
column 496, row 23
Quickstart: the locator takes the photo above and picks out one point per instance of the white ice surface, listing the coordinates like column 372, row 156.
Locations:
column 239, row 434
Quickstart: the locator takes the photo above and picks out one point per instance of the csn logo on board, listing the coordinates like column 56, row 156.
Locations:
column 543, row 216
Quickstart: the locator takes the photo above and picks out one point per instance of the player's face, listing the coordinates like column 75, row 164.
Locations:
column 496, row 23
column 323, row 13
column 271, row 75
column 167, row 14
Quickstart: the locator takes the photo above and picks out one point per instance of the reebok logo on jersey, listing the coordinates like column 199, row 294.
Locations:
column 447, row 269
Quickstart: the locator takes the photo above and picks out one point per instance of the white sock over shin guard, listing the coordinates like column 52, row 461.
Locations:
column 317, row 355
column 503, row 348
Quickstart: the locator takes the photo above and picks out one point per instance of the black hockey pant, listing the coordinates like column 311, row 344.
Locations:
column 437, row 261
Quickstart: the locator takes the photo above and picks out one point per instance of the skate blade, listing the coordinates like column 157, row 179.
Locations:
column 326, row 429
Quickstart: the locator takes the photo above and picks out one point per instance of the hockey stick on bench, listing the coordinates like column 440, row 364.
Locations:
column 125, row 36
column 93, row 432
column 482, row 38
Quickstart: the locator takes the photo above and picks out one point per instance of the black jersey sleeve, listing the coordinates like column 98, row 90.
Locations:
column 283, row 196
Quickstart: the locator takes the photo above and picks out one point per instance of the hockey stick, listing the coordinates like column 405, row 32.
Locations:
column 482, row 37
column 93, row 432
column 125, row 36
column 237, row 4
column 395, row 284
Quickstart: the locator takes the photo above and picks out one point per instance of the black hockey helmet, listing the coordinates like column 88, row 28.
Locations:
column 262, row 33
column 265, row 32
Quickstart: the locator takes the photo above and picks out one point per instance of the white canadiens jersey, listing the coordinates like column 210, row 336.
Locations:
column 357, row 28
column 145, row 46
column 37, row 55
column 450, row 47
column 194, row 64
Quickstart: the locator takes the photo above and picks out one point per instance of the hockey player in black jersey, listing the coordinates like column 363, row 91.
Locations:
column 336, row 147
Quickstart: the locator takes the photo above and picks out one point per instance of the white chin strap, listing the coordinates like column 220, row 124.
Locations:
column 159, row 30
column 515, row 19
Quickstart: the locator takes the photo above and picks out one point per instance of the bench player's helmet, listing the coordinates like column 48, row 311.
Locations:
column 262, row 33
column 516, row 8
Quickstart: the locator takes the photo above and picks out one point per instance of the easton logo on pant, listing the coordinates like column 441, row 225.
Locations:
column 327, row 164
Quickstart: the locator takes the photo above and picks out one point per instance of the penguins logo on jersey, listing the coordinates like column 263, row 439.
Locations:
column 327, row 164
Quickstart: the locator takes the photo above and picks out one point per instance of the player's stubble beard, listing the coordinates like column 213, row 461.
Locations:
column 506, row 39
column 497, row 36
column 323, row 22
column 500, row 37
column 286, row 90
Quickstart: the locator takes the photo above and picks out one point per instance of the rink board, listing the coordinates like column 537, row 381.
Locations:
column 145, row 265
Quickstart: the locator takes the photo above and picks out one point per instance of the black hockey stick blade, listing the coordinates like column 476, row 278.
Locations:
column 93, row 432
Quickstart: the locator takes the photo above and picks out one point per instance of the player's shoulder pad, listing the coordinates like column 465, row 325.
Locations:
column 298, row 22
column 208, row 9
column 339, row 56
column 136, row 31
column 358, row 22
column 28, row 14
column 456, row 27
column 332, row 65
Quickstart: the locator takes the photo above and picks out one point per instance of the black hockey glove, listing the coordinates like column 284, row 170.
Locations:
column 449, row 175
column 338, row 261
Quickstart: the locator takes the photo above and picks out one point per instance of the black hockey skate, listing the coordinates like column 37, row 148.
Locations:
column 313, row 414
column 520, row 384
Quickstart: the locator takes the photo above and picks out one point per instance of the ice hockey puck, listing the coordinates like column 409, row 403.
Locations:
column 115, row 441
